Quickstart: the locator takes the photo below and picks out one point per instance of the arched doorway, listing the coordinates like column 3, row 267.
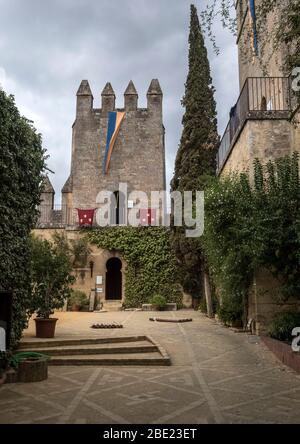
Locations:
column 113, row 281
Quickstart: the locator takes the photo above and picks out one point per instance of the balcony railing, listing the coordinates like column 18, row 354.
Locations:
column 61, row 216
column 57, row 216
column 260, row 98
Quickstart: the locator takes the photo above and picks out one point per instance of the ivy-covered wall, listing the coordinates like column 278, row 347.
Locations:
column 151, row 265
column 251, row 227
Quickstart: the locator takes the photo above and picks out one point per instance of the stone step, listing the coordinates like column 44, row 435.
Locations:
column 94, row 349
column 42, row 343
column 112, row 305
column 130, row 350
column 147, row 359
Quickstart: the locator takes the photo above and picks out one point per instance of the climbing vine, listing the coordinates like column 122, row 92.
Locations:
column 252, row 226
column 151, row 267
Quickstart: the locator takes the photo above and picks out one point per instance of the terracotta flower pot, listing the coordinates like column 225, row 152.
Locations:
column 75, row 307
column 45, row 328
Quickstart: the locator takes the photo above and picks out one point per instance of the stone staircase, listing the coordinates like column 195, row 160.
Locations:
column 133, row 350
column 112, row 305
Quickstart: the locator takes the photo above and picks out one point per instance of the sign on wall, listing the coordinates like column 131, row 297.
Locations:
column 99, row 280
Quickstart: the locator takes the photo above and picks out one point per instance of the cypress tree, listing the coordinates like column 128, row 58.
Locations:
column 195, row 160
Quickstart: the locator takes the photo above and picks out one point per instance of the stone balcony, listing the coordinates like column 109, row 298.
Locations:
column 261, row 99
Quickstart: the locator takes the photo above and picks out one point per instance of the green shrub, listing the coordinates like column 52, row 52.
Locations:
column 78, row 297
column 203, row 306
column 22, row 163
column 282, row 325
column 250, row 226
column 159, row 301
column 51, row 277
column 215, row 304
column 232, row 308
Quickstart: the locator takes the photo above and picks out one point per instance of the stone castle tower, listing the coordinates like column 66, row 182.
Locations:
column 138, row 156
column 137, row 159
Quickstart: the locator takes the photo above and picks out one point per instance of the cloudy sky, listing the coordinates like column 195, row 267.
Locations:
column 47, row 47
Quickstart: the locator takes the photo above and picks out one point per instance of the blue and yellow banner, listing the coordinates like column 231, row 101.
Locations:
column 115, row 119
column 252, row 13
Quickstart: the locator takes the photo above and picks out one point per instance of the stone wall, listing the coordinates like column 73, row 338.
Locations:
column 263, row 139
column 262, row 305
column 249, row 64
column 84, row 281
column 138, row 157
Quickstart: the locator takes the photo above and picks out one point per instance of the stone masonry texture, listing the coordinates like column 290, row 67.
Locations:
column 138, row 158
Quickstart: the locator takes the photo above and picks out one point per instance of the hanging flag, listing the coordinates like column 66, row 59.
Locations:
column 147, row 216
column 115, row 119
column 85, row 217
column 252, row 14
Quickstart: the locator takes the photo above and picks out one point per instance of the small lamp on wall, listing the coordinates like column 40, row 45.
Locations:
column 91, row 268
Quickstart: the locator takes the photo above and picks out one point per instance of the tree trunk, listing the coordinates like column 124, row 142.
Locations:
column 207, row 290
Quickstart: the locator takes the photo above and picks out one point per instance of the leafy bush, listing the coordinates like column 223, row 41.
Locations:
column 22, row 165
column 231, row 310
column 215, row 305
column 158, row 301
column 203, row 306
column 78, row 298
column 78, row 250
column 248, row 227
column 282, row 325
column 51, row 277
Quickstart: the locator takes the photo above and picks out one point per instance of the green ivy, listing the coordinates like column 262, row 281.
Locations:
column 151, row 266
column 252, row 226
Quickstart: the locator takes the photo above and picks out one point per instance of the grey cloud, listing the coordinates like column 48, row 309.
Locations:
column 46, row 48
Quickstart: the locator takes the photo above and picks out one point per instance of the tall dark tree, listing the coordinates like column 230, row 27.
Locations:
column 22, row 162
column 195, row 160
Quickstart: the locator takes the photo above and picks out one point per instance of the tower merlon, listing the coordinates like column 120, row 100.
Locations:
column 154, row 96
column 154, row 88
column 108, row 97
column 84, row 99
column 131, row 97
column 47, row 193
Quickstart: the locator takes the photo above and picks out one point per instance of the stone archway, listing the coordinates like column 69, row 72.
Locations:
column 113, row 281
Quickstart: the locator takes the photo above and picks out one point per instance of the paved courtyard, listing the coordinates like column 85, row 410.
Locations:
column 217, row 376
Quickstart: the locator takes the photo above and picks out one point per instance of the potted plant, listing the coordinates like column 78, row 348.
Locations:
column 77, row 300
column 158, row 302
column 51, row 279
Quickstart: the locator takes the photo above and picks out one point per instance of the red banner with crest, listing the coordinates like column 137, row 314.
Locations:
column 85, row 217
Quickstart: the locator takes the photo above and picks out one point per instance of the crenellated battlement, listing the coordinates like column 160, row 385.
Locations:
column 85, row 99
column 138, row 155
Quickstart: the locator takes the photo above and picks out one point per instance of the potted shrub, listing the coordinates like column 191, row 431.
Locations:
column 51, row 278
column 77, row 300
column 159, row 302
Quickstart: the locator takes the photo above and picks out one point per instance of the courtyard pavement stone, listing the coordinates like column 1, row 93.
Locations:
column 216, row 376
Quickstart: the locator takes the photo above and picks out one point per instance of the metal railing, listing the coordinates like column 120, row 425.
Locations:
column 260, row 98
column 61, row 216
column 57, row 216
